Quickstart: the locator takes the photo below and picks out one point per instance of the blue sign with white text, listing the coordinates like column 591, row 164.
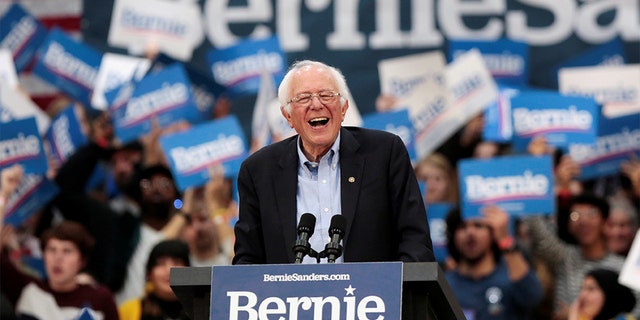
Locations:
column 560, row 119
column 507, row 60
column 192, row 152
column 346, row 291
column 618, row 141
column 64, row 135
column 520, row 185
column 437, row 215
column 396, row 122
column 20, row 142
column 497, row 117
column 33, row 193
column 21, row 34
column 69, row 65
column 240, row 66
column 165, row 95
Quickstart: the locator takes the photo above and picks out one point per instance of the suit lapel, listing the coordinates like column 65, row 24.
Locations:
column 285, row 184
column 351, row 171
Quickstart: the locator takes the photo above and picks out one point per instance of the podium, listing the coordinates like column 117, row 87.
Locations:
column 426, row 293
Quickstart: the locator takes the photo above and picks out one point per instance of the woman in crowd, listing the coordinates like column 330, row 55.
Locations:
column 602, row 298
column 160, row 302
column 439, row 176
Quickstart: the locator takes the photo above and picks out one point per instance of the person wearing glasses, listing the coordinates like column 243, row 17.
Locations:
column 327, row 169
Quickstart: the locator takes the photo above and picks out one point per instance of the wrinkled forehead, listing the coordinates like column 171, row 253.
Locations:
column 312, row 78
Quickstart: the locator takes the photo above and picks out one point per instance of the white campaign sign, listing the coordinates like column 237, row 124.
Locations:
column 616, row 88
column 172, row 27
column 17, row 106
column 401, row 76
column 8, row 73
column 115, row 70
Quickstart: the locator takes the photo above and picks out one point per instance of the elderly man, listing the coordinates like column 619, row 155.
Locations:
column 326, row 169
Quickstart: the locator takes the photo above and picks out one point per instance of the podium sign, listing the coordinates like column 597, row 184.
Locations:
column 310, row 291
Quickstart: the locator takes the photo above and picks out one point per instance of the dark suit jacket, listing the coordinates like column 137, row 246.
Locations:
column 381, row 201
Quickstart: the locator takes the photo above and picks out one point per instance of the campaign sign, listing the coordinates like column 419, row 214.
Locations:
column 616, row 88
column 607, row 54
column 192, row 152
column 165, row 95
column 520, row 185
column 345, row 291
column 16, row 104
column 437, row 214
column 116, row 70
column 21, row 34
column 65, row 136
column 507, row 60
column 400, row 76
column 239, row 67
column 33, row 193
column 396, row 122
column 560, row 119
column 618, row 141
column 497, row 116
column 8, row 73
column 85, row 314
column 69, row 65
column 20, row 143
column 205, row 90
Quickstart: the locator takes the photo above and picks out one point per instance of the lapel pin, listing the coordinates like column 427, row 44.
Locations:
column 352, row 179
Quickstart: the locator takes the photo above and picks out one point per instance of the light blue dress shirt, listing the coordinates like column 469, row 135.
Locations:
column 319, row 194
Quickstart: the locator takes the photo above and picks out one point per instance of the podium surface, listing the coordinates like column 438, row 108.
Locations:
column 426, row 293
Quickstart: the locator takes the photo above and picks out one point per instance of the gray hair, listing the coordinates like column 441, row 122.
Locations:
column 285, row 85
column 626, row 206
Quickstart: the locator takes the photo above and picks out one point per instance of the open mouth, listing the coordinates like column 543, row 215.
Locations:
column 317, row 122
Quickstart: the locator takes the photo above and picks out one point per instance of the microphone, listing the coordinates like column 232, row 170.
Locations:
column 305, row 231
column 333, row 249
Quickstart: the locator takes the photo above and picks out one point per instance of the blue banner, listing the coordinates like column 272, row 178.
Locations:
column 618, row 141
column 33, row 193
column 345, row 291
column 560, row 119
column 437, row 214
column 507, row 60
column 21, row 34
column 165, row 95
column 520, row 185
column 396, row 122
column 69, row 65
column 497, row 117
column 20, row 143
column 192, row 152
column 240, row 66
column 64, row 135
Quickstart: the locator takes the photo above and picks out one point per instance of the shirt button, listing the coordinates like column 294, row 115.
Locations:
column 326, row 209
column 324, row 181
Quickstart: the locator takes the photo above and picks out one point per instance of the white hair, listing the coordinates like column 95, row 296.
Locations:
column 285, row 85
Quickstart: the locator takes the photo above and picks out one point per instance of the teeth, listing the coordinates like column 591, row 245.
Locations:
column 318, row 119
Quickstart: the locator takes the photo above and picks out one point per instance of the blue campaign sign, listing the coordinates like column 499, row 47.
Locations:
column 21, row 34
column 560, row 119
column 192, row 152
column 33, row 193
column 396, row 122
column 69, row 65
column 507, row 60
column 64, row 135
column 618, row 141
column 497, row 116
column 165, row 95
column 437, row 214
column 345, row 291
column 610, row 53
column 240, row 66
column 520, row 185
column 20, row 143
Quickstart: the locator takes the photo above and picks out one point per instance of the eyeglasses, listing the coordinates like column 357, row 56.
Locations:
column 591, row 214
column 304, row 99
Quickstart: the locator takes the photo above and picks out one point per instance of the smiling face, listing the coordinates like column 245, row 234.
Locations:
column 591, row 298
column 318, row 124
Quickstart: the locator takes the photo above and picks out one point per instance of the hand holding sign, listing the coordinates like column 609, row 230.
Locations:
column 10, row 178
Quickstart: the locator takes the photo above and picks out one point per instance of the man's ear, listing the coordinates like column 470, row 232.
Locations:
column 286, row 115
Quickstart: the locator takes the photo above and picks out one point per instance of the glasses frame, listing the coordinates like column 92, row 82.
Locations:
column 331, row 95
